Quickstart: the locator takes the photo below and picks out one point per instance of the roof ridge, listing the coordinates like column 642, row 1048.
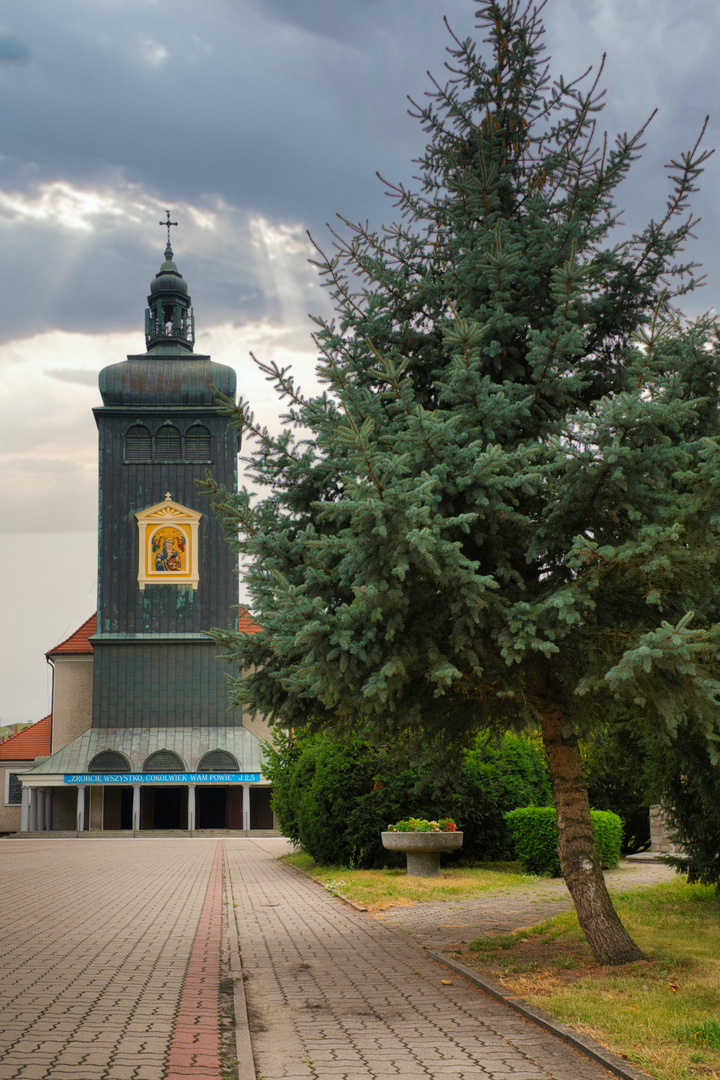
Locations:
column 33, row 742
column 77, row 643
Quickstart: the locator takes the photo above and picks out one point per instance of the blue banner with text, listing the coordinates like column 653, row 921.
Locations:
column 162, row 778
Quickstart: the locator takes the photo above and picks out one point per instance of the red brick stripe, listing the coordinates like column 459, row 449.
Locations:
column 195, row 1044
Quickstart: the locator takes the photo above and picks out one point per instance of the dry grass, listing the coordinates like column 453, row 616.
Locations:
column 378, row 890
column 662, row 1014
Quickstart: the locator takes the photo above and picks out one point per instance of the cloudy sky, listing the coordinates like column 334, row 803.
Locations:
column 253, row 121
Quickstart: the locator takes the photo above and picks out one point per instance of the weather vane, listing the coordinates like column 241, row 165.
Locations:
column 167, row 224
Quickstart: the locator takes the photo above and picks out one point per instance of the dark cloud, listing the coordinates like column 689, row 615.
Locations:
column 13, row 50
column 284, row 110
column 287, row 112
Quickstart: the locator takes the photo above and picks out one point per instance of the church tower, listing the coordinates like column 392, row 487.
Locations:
column 161, row 748
column 165, row 573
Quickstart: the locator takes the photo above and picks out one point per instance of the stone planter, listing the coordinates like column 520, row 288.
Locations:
column 422, row 849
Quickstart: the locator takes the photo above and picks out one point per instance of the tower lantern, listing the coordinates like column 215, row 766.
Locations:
column 169, row 319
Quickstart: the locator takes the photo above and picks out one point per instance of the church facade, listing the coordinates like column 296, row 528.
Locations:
column 144, row 737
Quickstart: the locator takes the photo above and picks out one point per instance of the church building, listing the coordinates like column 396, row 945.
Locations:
column 143, row 735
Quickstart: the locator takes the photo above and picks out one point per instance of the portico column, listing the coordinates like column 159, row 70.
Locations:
column 33, row 809
column 80, row 807
column 136, row 807
column 25, row 809
column 191, row 807
column 246, row 806
column 48, row 809
column 41, row 809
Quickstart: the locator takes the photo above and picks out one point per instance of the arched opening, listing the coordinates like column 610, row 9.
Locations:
column 138, row 444
column 163, row 761
column 197, row 443
column 218, row 761
column 168, row 444
column 109, row 761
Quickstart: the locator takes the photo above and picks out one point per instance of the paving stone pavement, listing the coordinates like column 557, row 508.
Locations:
column 441, row 925
column 106, row 944
column 94, row 944
column 334, row 994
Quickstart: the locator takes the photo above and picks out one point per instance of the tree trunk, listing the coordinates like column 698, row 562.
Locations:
column 606, row 935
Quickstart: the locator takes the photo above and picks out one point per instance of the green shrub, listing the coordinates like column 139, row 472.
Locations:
column 334, row 799
column 607, row 830
column 497, row 775
column 534, row 833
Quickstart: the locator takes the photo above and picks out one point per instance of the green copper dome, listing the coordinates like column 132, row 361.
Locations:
column 168, row 278
column 168, row 283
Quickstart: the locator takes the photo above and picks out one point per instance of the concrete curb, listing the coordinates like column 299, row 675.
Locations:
column 588, row 1047
column 243, row 1044
column 328, row 888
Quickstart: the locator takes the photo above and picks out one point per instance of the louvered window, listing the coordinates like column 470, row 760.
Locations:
column 138, row 444
column 168, row 444
column 197, row 443
column 218, row 761
column 109, row 761
column 163, row 761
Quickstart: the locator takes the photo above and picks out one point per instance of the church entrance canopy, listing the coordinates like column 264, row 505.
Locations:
column 151, row 779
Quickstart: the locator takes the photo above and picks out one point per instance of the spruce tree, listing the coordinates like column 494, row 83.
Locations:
column 503, row 510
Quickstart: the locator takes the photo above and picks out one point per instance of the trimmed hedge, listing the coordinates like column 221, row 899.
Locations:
column 607, row 830
column 534, row 833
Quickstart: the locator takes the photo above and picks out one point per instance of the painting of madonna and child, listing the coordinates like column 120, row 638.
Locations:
column 169, row 550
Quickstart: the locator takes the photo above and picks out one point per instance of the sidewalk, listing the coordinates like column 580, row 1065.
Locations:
column 334, row 994
column 94, row 945
column 110, row 970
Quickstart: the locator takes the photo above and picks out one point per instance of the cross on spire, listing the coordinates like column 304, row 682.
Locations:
column 167, row 224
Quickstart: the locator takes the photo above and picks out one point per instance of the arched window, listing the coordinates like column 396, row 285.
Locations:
column 197, row 443
column 168, row 444
column 218, row 761
column 108, row 761
column 163, row 761
column 138, row 444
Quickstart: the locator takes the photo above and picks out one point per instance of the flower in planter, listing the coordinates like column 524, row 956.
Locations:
column 423, row 825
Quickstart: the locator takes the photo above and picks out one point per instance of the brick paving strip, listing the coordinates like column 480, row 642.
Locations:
column 195, row 1044
column 333, row 994
column 95, row 939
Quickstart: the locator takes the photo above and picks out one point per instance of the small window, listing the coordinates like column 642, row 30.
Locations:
column 163, row 761
column 168, row 444
column 14, row 790
column 218, row 761
column 109, row 761
column 138, row 444
column 197, row 443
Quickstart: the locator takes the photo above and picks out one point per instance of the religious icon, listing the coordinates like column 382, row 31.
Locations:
column 168, row 544
column 168, row 549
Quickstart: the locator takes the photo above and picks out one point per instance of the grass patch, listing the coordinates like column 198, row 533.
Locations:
column 380, row 889
column 663, row 1014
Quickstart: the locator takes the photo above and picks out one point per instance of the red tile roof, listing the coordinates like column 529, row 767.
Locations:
column 31, row 743
column 246, row 623
column 77, row 644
